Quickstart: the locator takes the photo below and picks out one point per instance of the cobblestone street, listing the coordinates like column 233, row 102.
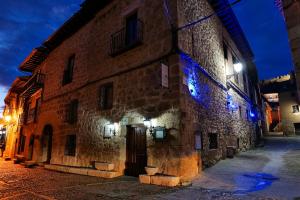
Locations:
column 226, row 180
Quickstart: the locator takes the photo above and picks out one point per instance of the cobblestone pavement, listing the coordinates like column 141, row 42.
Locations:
column 226, row 180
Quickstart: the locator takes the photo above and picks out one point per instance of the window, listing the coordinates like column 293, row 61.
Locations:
column 106, row 96
column 295, row 108
column 245, row 82
column 22, row 142
column 27, row 111
column 71, row 113
column 240, row 111
column 37, row 108
column 131, row 29
column 68, row 73
column 225, row 49
column 213, row 141
column 70, row 148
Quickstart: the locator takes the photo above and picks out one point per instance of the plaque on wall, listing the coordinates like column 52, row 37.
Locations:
column 159, row 133
column 198, row 141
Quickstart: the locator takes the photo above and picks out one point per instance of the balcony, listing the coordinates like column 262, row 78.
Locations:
column 35, row 82
column 127, row 38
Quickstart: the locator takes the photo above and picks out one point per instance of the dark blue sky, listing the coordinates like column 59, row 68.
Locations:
column 264, row 27
column 25, row 24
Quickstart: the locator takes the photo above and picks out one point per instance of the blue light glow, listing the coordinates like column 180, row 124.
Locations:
column 198, row 88
column 231, row 105
column 252, row 114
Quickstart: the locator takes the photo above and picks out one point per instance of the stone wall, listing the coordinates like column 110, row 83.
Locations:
column 206, row 110
column 288, row 118
column 292, row 18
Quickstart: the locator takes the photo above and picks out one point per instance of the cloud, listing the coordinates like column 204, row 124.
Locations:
column 24, row 25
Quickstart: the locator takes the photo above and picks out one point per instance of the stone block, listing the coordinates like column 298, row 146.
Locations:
column 103, row 174
column 104, row 166
column 145, row 179
column 80, row 171
column 29, row 164
column 169, row 181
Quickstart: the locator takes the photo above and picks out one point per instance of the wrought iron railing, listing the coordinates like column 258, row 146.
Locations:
column 124, row 39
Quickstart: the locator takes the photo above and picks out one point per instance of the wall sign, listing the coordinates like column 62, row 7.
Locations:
column 164, row 75
column 159, row 133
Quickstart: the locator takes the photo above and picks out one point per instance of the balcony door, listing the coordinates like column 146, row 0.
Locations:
column 131, row 29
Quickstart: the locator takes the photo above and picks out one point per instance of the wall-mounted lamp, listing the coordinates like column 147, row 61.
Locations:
column 252, row 114
column 110, row 130
column 237, row 67
column 148, row 124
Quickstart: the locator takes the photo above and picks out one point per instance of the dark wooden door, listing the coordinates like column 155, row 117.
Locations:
column 297, row 128
column 136, row 151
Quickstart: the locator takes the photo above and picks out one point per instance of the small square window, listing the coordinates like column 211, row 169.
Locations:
column 295, row 108
column 106, row 96
column 213, row 141
column 70, row 148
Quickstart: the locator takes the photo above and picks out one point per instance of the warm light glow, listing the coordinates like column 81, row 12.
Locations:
column 7, row 118
column 147, row 123
column 238, row 67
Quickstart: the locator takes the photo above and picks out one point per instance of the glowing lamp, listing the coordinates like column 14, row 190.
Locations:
column 147, row 123
column 252, row 114
column 238, row 67
column 7, row 118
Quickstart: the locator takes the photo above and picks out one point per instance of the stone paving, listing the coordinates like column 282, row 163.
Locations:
column 230, row 179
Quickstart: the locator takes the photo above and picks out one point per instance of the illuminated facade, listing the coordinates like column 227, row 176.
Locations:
column 121, row 85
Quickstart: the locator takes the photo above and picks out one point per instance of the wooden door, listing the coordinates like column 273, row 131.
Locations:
column 136, row 151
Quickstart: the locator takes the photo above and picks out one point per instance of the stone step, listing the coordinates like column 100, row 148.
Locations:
column 84, row 171
column 169, row 181
column 104, row 166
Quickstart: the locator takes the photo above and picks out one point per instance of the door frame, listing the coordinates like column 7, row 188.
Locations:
column 47, row 133
column 135, row 171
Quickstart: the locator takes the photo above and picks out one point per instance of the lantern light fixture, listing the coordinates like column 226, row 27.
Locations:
column 237, row 68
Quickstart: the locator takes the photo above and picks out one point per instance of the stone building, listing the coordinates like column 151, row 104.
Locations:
column 291, row 10
column 11, row 117
column 282, row 110
column 134, row 83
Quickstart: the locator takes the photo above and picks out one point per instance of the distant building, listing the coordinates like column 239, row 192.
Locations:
column 121, row 83
column 282, row 108
column 11, row 117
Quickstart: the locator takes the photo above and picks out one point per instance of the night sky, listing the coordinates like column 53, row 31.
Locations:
column 25, row 24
